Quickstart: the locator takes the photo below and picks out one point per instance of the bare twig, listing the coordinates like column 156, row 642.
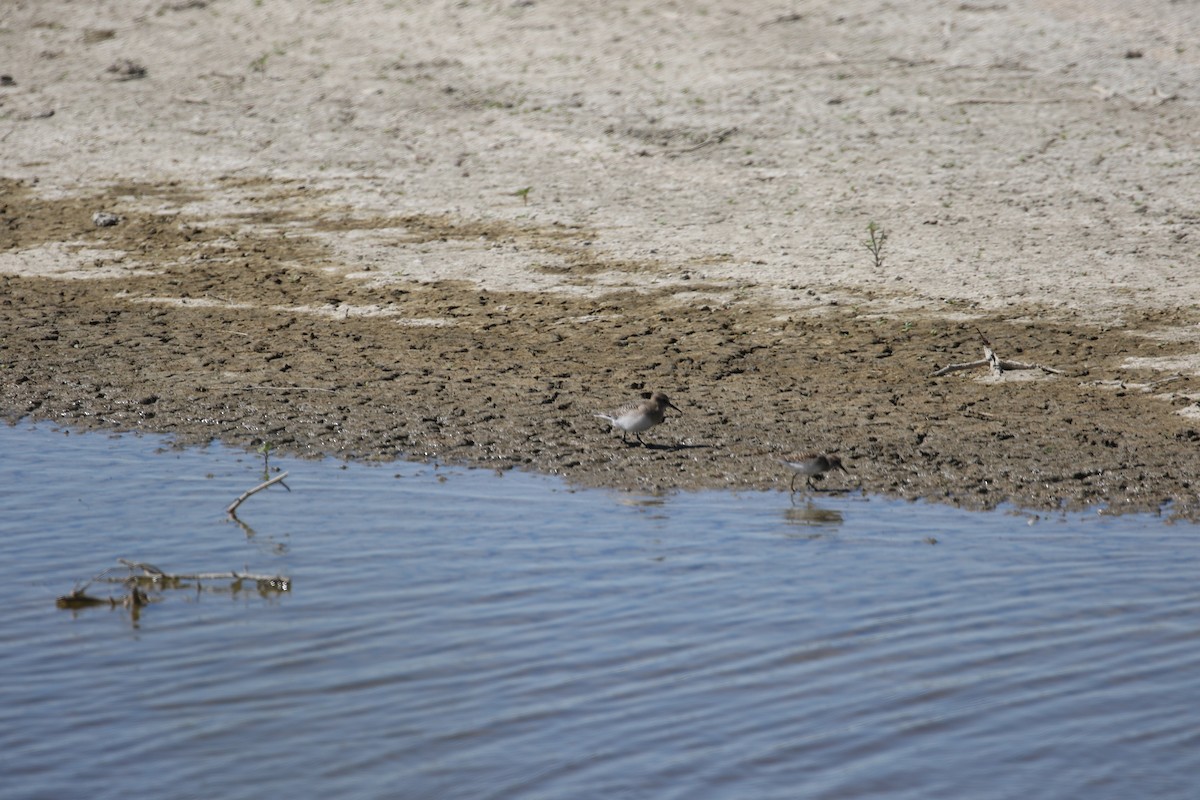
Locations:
column 156, row 575
column 793, row 17
column 1161, row 381
column 716, row 138
column 232, row 510
column 279, row 582
column 994, row 362
column 80, row 589
column 1004, row 364
column 152, row 576
column 153, row 570
column 946, row 370
column 1003, row 101
column 264, row 388
column 77, row 599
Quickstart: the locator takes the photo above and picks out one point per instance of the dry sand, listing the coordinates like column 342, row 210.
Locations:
column 457, row 230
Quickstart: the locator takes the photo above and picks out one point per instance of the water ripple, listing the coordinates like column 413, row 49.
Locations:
column 457, row 634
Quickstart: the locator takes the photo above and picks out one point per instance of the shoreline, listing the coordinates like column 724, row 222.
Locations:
column 458, row 233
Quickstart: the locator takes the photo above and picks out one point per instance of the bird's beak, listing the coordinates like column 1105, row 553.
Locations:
column 672, row 405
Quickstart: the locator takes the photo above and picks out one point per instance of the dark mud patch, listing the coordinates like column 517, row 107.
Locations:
column 248, row 336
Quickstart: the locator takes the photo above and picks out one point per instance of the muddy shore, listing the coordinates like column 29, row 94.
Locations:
column 245, row 346
column 461, row 242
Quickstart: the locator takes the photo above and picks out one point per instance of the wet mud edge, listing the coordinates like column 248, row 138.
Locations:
column 208, row 330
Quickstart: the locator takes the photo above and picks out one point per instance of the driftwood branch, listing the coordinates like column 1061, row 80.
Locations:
column 992, row 361
column 142, row 576
column 232, row 510
column 155, row 575
column 79, row 599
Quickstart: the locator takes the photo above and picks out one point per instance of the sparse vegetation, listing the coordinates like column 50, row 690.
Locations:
column 876, row 237
column 265, row 448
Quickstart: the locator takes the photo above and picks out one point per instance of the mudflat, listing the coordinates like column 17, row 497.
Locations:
column 380, row 230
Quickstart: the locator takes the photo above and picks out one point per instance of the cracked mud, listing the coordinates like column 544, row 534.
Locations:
column 248, row 333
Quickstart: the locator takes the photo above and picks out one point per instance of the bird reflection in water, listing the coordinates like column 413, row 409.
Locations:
column 813, row 516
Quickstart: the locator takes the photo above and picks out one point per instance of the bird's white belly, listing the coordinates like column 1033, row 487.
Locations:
column 634, row 422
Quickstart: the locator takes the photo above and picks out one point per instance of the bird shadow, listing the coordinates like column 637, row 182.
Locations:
column 679, row 446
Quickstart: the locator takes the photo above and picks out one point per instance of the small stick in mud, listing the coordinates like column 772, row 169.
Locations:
column 994, row 362
column 232, row 510
column 717, row 138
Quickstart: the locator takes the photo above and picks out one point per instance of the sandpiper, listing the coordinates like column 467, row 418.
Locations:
column 811, row 465
column 641, row 416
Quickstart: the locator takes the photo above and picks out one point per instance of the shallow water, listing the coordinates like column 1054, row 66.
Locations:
column 458, row 633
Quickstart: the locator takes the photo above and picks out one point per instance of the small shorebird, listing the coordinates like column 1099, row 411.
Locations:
column 811, row 465
column 641, row 416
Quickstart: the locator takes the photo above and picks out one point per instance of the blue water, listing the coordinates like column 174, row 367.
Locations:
column 455, row 633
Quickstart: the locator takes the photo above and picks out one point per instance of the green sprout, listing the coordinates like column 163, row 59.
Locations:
column 265, row 448
column 877, row 237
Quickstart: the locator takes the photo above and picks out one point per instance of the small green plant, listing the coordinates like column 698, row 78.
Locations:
column 265, row 448
column 876, row 237
column 523, row 194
